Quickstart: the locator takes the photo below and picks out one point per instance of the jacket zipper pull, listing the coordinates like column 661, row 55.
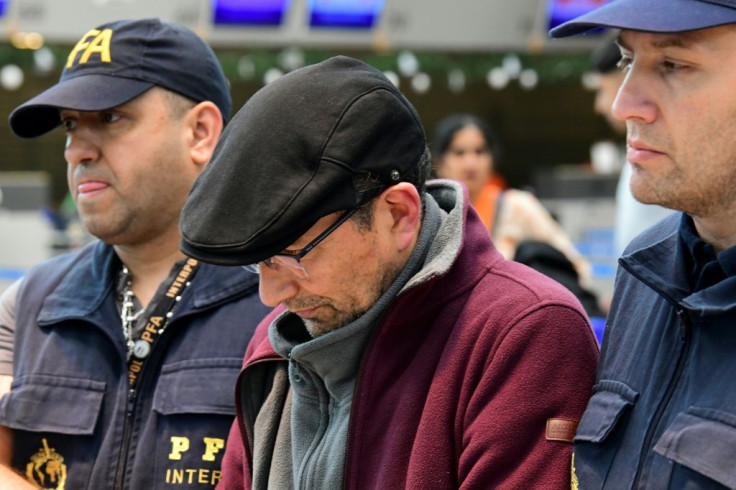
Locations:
column 131, row 401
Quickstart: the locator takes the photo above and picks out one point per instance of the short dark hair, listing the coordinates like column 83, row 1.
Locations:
column 370, row 187
column 446, row 129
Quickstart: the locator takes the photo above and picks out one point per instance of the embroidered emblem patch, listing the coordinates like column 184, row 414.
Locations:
column 47, row 469
column 573, row 476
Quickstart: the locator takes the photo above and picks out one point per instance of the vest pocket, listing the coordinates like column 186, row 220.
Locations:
column 194, row 405
column 205, row 386
column 54, row 420
column 594, row 440
column 703, row 441
column 43, row 403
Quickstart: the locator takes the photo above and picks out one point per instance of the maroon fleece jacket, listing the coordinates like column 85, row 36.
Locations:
column 458, row 383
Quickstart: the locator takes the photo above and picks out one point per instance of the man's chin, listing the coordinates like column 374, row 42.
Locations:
column 317, row 328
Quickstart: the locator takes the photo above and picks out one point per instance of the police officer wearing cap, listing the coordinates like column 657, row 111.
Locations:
column 125, row 351
column 663, row 410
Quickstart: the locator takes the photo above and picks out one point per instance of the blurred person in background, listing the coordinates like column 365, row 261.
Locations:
column 632, row 216
column 122, row 353
column 663, row 410
column 465, row 149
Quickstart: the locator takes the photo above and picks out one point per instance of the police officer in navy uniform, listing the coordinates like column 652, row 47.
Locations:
column 663, row 410
column 126, row 351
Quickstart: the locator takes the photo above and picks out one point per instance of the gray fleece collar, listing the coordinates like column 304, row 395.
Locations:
column 449, row 198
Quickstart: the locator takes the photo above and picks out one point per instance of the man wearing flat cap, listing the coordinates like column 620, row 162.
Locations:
column 406, row 353
column 663, row 410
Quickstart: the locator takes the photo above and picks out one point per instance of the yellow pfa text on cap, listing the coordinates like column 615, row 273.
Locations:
column 94, row 41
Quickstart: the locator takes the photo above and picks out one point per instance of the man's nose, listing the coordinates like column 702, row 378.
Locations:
column 276, row 286
column 80, row 149
column 635, row 99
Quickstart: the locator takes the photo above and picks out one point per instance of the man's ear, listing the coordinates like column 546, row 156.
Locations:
column 204, row 123
column 404, row 209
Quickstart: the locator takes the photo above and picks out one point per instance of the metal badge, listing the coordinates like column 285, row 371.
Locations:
column 141, row 349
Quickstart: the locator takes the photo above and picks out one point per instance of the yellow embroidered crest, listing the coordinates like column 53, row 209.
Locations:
column 573, row 476
column 47, row 469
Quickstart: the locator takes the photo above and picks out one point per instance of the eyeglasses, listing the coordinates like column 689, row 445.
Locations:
column 293, row 260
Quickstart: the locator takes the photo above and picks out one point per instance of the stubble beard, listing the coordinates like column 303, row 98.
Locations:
column 699, row 199
column 341, row 318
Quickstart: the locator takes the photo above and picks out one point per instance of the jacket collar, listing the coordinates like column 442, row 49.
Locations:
column 660, row 260
column 90, row 282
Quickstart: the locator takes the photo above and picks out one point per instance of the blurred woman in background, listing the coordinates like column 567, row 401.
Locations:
column 465, row 149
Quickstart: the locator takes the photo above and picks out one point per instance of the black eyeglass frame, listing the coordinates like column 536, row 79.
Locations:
column 298, row 255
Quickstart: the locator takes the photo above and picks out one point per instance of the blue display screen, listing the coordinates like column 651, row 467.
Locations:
column 2, row 7
column 250, row 12
column 560, row 11
column 352, row 14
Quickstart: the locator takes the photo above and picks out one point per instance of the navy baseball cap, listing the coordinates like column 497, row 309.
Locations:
column 663, row 16
column 116, row 62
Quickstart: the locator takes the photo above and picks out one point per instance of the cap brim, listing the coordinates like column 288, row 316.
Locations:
column 93, row 92
column 236, row 255
column 651, row 15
